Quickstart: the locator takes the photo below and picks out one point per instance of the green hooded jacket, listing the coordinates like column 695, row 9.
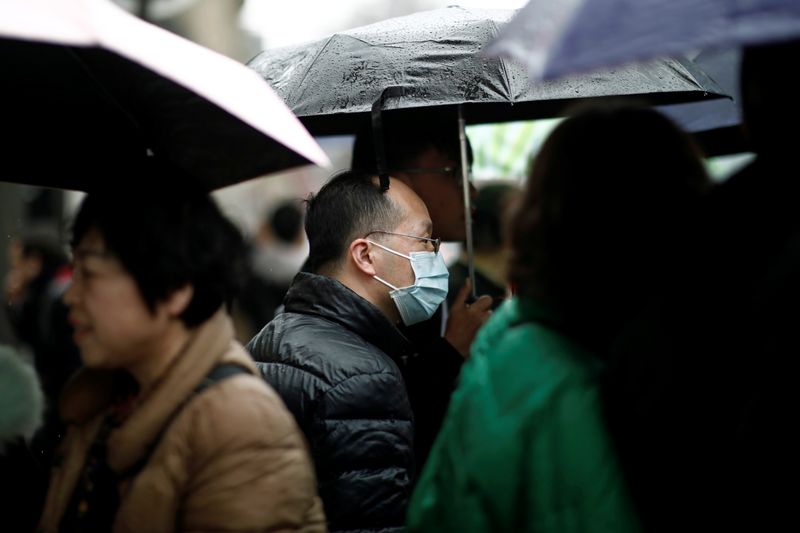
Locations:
column 524, row 446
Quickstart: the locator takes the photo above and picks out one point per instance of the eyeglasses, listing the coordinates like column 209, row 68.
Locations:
column 436, row 243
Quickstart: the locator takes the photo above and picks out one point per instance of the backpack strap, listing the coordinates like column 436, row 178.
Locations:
column 217, row 374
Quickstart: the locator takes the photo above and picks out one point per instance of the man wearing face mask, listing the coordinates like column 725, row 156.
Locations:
column 335, row 353
column 423, row 151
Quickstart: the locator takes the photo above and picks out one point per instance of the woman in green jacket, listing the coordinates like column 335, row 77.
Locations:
column 524, row 446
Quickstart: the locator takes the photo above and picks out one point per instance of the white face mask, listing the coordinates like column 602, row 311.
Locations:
column 418, row 302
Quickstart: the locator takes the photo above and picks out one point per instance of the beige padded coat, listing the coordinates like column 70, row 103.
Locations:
column 232, row 459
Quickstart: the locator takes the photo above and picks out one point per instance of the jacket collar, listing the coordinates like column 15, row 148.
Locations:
column 91, row 391
column 311, row 294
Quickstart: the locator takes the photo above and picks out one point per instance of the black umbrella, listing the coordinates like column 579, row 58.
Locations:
column 332, row 84
column 430, row 59
column 90, row 95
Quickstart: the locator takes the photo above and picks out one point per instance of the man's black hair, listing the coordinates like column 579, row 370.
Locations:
column 167, row 238
column 349, row 206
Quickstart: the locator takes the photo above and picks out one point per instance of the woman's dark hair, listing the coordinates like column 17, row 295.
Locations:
column 607, row 198
column 167, row 237
column 348, row 207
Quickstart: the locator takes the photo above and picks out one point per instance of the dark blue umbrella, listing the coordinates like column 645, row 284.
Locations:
column 715, row 124
column 589, row 34
column 723, row 67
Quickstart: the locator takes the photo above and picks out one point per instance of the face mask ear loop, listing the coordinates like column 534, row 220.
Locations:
column 389, row 250
column 385, row 283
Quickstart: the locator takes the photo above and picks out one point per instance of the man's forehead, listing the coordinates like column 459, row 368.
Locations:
column 432, row 153
column 404, row 197
column 425, row 226
column 415, row 213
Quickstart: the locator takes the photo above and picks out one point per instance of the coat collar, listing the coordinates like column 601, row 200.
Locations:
column 91, row 391
column 311, row 294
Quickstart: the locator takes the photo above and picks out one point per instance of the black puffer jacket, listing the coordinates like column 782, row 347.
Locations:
column 333, row 357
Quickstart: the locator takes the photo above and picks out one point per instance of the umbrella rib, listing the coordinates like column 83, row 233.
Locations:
column 687, row 76
column 311, row 64
column 102, row 90
column 506, row 76
column 384, row 45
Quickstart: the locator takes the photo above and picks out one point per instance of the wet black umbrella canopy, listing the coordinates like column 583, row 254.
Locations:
column 433, row 57
column 78, row 118
column 92, row 96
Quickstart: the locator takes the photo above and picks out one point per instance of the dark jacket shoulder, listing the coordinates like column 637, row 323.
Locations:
column 335, row 360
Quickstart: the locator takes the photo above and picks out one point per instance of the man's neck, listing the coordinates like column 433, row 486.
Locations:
column 365, row 288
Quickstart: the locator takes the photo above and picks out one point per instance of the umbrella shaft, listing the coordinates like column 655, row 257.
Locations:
column 462, row 138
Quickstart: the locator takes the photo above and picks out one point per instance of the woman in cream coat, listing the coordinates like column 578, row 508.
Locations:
column 170, row 427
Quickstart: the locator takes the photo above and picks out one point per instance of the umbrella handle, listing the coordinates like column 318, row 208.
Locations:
column 377, row 132
column 462, row 140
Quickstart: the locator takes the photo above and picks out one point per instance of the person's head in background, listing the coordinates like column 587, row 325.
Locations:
column 36, row 255
column 602, row 216
column 39, row 274
column 150, row 266
column 769, row 96
column 283, row 224
column 422, row 151
column 280, row 246
column 492, row 204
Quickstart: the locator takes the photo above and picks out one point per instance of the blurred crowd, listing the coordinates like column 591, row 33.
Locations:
column 622, row 360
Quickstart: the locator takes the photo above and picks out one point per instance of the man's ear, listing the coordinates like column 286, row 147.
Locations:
column 362, row 257
column 177, row 302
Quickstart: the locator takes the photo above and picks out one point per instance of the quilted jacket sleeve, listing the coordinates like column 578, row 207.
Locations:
column 362, row 441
